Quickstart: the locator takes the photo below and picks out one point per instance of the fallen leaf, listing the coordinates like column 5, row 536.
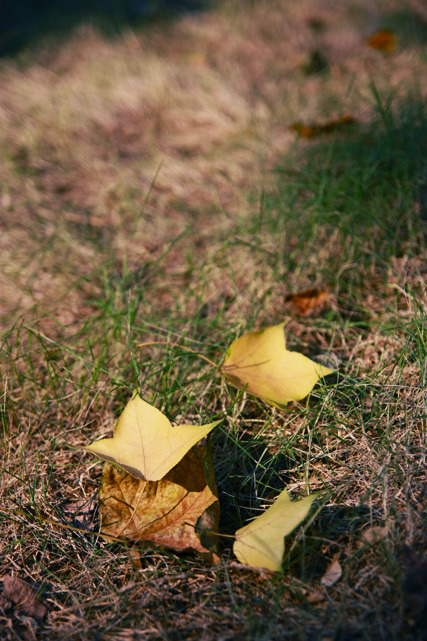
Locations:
column 305, row 131
column 315, row 597
column 333, row 573
column 374, row 535
column 312, row 130
column 384, row 40
column 171, row 512
column 304, row 302
column 261, row 544
column 145, row 444
column 135, row 558
column 20, row 604
column 22, row 598
column 260, row 363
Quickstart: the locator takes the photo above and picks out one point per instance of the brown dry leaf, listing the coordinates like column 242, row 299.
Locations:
column 384, row 40
column 21, row 607
column 312, row 130
column 135, row 558
column 304, row 302
column 374, row 534
column 19, row 596
column 333, row 573
column 314, row 597
column 173, row 512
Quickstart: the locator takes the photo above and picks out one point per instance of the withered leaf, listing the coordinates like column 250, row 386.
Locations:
column 311, row 130
column 17, row 595
column 374, row 535
column 333, row 573
column 308, row 300
column 180, row 511
column 21, row 606
column 82, row 512
column 384, row 40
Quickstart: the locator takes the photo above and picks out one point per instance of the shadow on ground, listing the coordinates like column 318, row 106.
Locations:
column 24, row 23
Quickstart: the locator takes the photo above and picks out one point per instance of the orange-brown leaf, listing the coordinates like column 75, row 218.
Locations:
column 305, row 131
column 170, row 512
column 384, row 40
column 308, row 300
column 312, row 129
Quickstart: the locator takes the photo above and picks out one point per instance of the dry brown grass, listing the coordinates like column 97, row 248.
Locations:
column 132, row 178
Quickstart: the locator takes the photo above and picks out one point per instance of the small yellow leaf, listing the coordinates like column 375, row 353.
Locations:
column 260, row 544
column 145, row 444
column 260, row 363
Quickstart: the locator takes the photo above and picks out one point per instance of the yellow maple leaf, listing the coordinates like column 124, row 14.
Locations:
column 145, row 444
column 260, row 363
column 261, row 544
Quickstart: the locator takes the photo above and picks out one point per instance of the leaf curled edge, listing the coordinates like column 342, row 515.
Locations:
column 260, row 543
column 260, row 363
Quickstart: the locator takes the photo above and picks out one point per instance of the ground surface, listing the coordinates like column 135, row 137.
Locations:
column 153, row 188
